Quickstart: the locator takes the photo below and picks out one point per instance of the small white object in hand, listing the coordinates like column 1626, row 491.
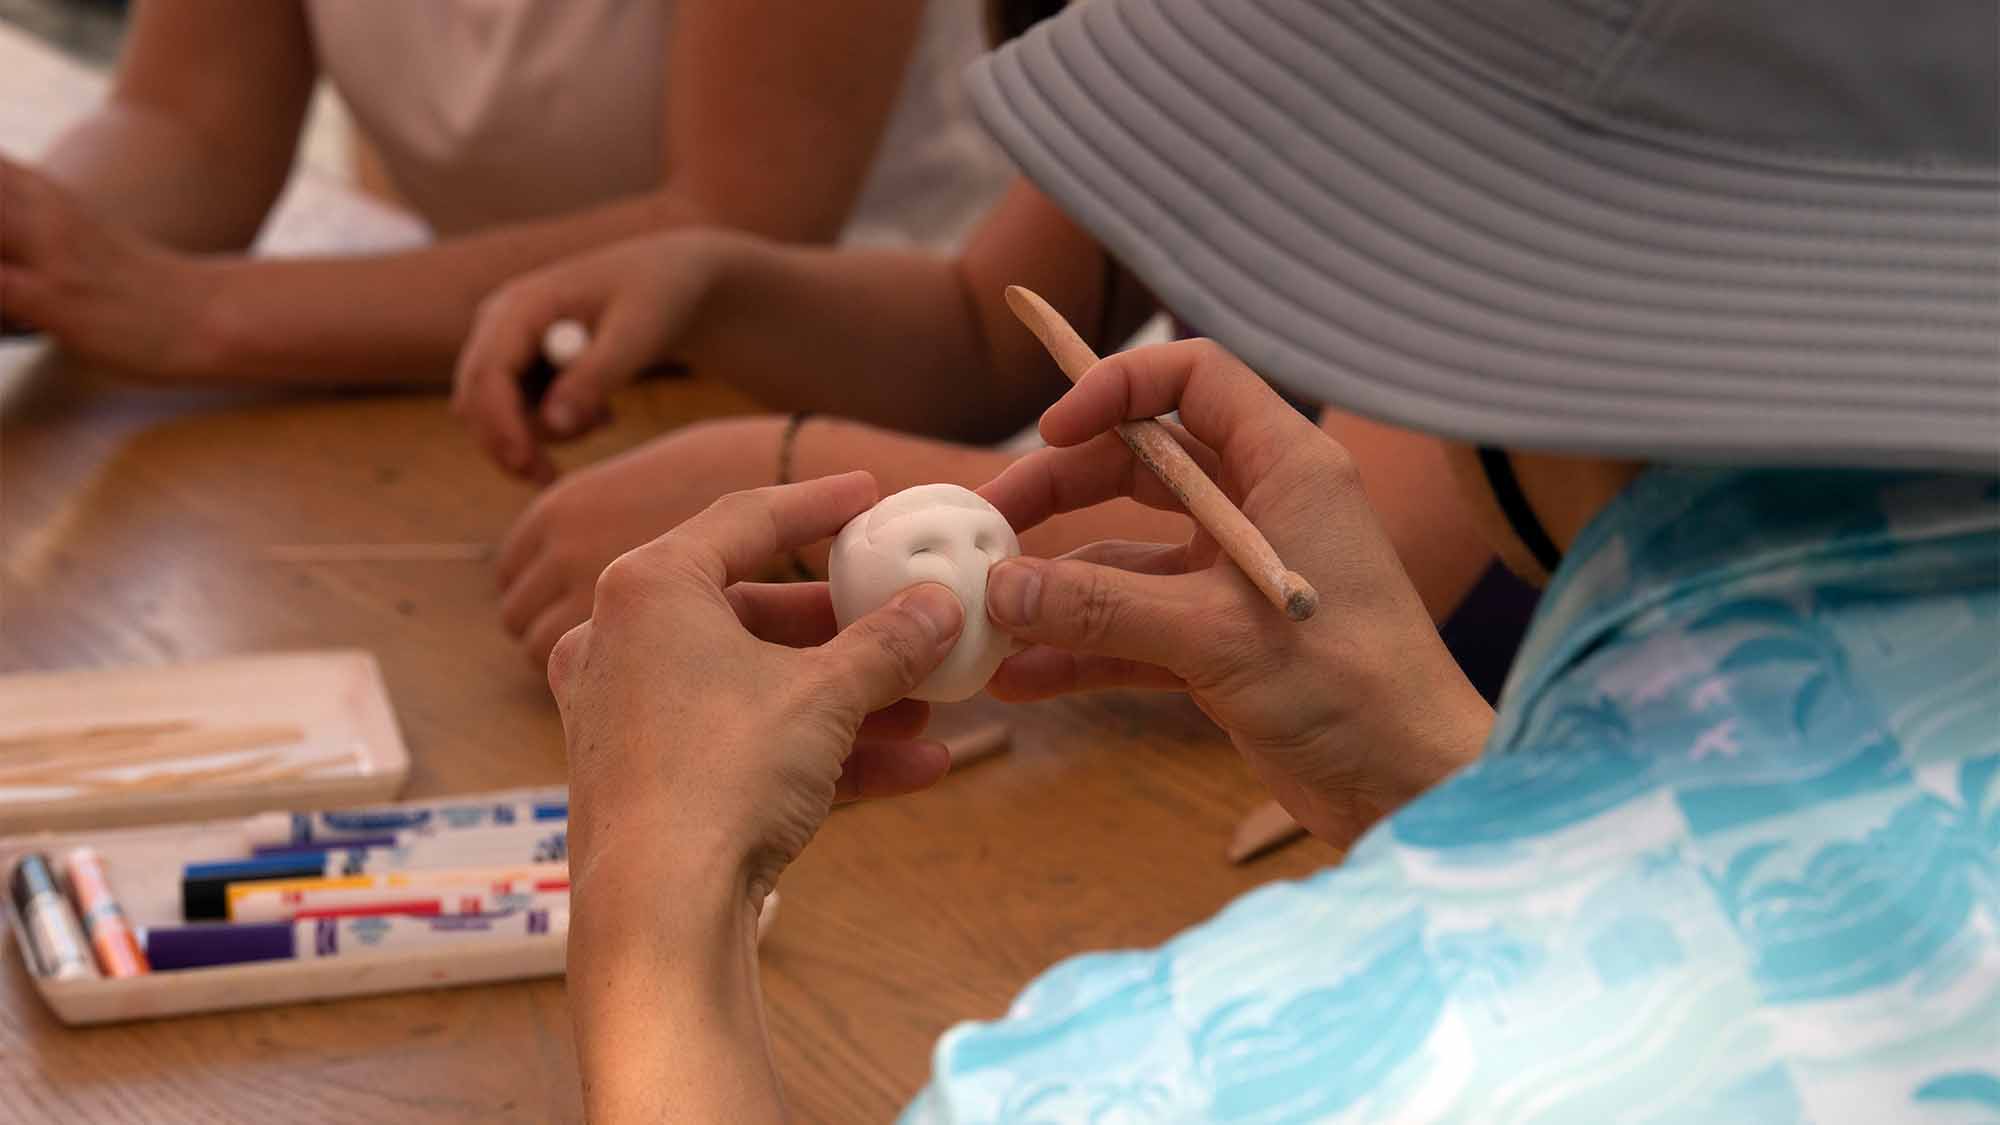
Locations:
column 931, row 533
column 564, row 341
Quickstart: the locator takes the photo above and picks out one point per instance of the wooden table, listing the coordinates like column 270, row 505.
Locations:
column 130, row 525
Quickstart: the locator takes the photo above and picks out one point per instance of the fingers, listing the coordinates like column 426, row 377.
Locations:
column 522, row 543
column 28, row 209
column 1041, row 672
column 1100, row 611
column 891, row 768
column 733, row 538
column 618, row 349
column 905, row 718
column 535, row 590
column 1050, row 481
column 549, row 627
column 26, row 301
column 793, row 614
column 486, row 388
column 1221, row 401
column 879, row 659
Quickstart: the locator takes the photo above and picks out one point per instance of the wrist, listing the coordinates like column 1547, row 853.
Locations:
column 662, row 985
column 218, row 331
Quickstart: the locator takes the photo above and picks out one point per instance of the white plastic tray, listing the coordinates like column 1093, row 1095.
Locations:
column 144, row 865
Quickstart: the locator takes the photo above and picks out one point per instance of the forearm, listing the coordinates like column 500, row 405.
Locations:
column 826, row 446
column 390, row 318
column 888, row 337
column 664, row 995
column 142, row 167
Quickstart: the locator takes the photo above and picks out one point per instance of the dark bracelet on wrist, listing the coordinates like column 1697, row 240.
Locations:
column 788, row 442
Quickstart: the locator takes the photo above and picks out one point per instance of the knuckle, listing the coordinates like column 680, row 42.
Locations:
column 738, row 507
column 1095, row 605
column 1209, row 355
column 900, row 651
column 566, row 659
column 823, row 691
column 621, row 585
column 1338, row 468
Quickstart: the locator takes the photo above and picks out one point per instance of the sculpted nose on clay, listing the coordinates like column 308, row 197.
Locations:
column 931, row 533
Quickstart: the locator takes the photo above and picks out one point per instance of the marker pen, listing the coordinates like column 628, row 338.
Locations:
column 118, row 953
column 204, row 885
column 465, row 891
column 53, row 938
column 309, row 939
column 562, row 343
column 347, row 827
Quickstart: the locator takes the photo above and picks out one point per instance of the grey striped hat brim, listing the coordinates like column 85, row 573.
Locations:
column 1366, row 224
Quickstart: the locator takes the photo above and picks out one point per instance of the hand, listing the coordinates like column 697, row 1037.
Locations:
column 636, row 297
column 1344, row 716
column 551, row 557
column 713, row 722
column 102, row 290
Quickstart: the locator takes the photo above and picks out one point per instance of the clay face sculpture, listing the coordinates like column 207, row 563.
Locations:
column 931, row 533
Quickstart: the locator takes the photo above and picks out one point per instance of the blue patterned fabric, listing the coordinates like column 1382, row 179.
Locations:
column 1732, row 854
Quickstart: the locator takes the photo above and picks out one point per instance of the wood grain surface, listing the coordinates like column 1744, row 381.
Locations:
column 131, row 525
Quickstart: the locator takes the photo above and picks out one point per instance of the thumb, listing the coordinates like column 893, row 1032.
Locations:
column 885, row 655
column 1098, row 610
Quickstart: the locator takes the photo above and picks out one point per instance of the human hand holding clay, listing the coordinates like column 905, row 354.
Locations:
column 1344, row 716
column 711, row 723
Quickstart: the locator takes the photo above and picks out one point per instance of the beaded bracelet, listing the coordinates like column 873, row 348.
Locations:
column 787, row 444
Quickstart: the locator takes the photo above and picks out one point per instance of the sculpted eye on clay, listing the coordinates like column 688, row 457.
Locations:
column 931, row 533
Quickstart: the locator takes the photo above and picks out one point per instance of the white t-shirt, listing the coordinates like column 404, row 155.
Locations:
column 487, row 112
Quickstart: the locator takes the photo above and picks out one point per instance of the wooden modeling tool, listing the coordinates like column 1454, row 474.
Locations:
column 975, row 743
column 1267, row 828
column 1157, row 449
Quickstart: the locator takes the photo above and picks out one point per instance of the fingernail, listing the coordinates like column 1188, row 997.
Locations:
column 937, row 608
column 561, row 417
column 1014, row 592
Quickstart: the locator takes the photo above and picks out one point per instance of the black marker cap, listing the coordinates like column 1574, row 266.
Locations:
column 205, row 886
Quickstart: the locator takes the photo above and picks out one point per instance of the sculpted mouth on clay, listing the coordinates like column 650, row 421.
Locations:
column 931, row 533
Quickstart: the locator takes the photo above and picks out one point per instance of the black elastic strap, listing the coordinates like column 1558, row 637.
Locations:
column 1514, row 505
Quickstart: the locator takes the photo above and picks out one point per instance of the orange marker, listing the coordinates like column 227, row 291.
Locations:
column 118, row 953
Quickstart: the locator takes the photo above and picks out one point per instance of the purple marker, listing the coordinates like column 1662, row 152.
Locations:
column 310, row 939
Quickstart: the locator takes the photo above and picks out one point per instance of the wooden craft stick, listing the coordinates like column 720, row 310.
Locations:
column 256, row 769
column 1267, row 828
column 982, row 741
column 1150, row 441
column 77, row 761
column 377, row 552
column 100, row 736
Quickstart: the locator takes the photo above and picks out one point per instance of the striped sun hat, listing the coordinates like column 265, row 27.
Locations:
column 1720, row 230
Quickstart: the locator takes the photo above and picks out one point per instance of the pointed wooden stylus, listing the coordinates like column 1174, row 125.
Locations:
column 1153, row 445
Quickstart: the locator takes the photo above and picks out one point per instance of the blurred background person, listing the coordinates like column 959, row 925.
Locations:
column 520, row 132
column 887, row 355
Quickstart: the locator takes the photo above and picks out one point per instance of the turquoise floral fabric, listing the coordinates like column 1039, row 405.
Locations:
column 1732, row 854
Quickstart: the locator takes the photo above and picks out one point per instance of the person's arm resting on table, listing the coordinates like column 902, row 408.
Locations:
column 773, row 133
column 908, row 340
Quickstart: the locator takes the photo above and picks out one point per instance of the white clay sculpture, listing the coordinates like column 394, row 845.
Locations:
column 930, row 533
